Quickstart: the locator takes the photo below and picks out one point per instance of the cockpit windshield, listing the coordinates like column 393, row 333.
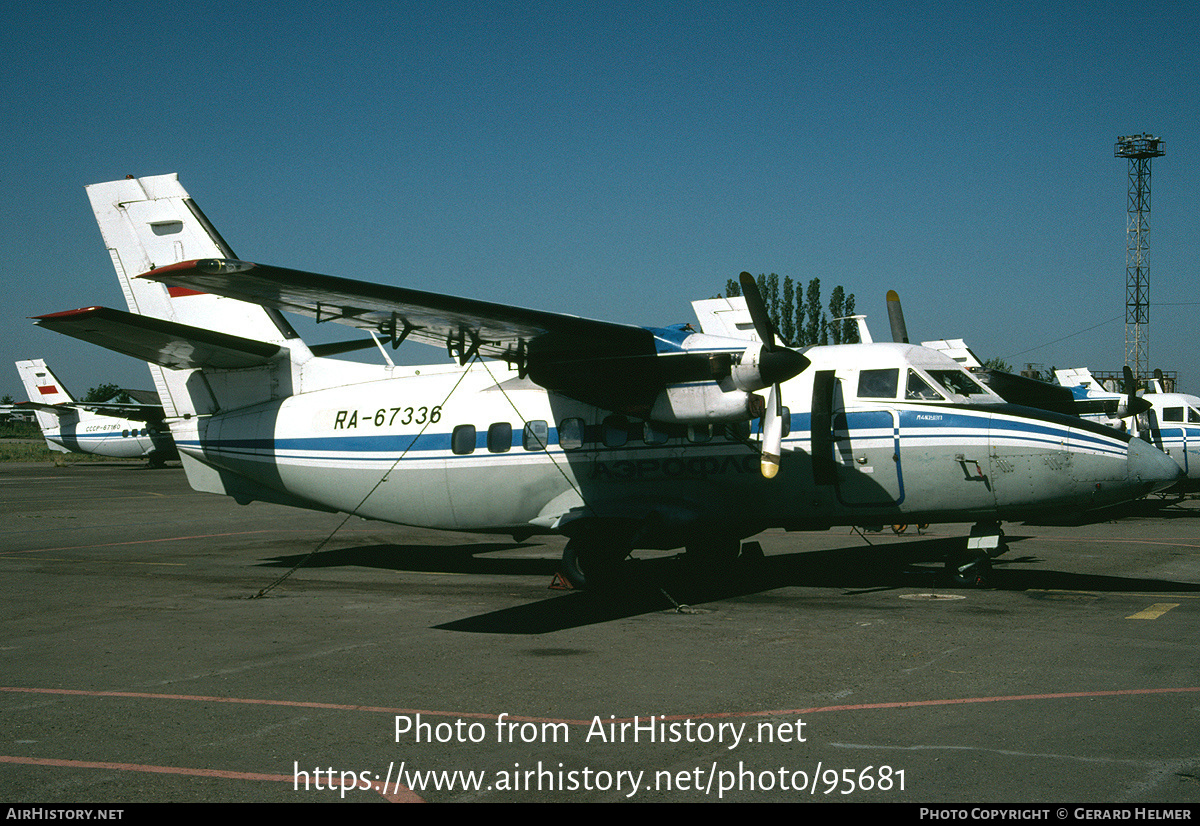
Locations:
column 920, row 384
column 959, row 382
column 919, row 390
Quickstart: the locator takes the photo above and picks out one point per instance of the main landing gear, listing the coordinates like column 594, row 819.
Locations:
column 973, row 569
column 596, row 561
column 593, row 561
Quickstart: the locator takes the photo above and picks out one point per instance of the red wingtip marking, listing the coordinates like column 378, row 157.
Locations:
column 180, row 292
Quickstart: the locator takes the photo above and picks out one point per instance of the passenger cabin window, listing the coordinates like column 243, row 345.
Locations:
column 736, row 432
column 536, row 435
column 616, row 431
column 878, row 384
column 1172, row 414
column 654, row 434
column 499, row 438
column 462, row 439
column 570, row 434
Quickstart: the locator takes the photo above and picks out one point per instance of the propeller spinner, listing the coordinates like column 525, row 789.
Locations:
column 775, row 364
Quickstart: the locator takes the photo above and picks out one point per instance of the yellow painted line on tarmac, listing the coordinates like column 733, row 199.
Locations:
column 1154, row 611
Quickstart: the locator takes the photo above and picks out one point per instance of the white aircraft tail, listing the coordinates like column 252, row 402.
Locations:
column 43, row 387
column 41, row 384
column 152, row 222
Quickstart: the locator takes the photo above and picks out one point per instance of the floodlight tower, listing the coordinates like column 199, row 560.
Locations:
column 1139, row 149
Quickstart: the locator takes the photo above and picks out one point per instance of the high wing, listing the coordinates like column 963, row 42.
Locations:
column 464, row 326
column 620, row 367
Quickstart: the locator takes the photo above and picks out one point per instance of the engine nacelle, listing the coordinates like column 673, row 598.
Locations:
column 758, row 369
column 705, row 403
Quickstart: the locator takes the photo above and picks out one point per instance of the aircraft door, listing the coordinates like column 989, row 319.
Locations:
column 866, row 451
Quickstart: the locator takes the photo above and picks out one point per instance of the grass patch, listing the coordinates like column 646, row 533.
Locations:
column 23, row 442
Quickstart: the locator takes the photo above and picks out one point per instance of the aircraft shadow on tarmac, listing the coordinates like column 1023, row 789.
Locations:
column 1155, row 507
column 454, row 559
column 672, row 583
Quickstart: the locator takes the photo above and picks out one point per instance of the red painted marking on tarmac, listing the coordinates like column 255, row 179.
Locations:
column 135, row 542
column 400, row 795
column 403, row 794
column 1126, row 692
column 166, row 539
column 1173, row 544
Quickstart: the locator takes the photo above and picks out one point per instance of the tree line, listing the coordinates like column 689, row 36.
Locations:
column 798, row 314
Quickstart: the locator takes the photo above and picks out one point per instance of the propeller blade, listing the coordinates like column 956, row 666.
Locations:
column 775, row 364
column 772, row 434
column 1130, row 386
column 758, row 312
column 1133, row 405
column 896, row 317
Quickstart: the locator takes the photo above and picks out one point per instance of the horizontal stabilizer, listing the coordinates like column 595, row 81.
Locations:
column 132, row 412
column 166, row 343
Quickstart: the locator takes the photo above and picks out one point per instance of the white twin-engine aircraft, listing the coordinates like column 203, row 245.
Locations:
column 119, row 431
column 618, row 437
column 1169, row 421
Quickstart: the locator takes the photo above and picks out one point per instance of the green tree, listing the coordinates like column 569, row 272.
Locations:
column 814, row 330
column 787, row 321
column 849, row 325
column 107, row 393
column 837, row 309
column 797, row 314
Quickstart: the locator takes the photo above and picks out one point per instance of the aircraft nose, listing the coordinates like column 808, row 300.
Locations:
column 1153, row 467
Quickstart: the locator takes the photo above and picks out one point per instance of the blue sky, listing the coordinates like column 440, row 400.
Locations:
column 617, row 160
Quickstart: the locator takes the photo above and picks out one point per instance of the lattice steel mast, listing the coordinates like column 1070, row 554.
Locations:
column 1139, row 149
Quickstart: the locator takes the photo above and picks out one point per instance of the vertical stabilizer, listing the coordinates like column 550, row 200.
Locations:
column 43, row 387
column 41, row 384
column 151, row 222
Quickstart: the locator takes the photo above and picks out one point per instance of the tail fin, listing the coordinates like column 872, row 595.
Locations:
column 151, row 222
column 41, row 384
column 44, row 388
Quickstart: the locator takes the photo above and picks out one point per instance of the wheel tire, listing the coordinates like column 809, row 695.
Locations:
column 591, row 565
column 970, row 573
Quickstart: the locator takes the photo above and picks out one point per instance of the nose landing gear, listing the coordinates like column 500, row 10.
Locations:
column 973, row 569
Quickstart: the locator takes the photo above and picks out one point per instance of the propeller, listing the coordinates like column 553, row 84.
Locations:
column 1131, row 405
column 896, row 317
column 1145, row 418
column 774, row 364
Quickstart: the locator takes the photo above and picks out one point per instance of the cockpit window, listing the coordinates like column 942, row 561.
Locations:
column 958, row 382
column 919, row 390
column 878, row 384
column 1193, row 415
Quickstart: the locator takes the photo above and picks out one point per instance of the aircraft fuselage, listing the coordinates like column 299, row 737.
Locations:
column 480, row 449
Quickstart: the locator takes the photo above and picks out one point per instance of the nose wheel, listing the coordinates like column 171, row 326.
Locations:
column 970, row 572
column 973, row 569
